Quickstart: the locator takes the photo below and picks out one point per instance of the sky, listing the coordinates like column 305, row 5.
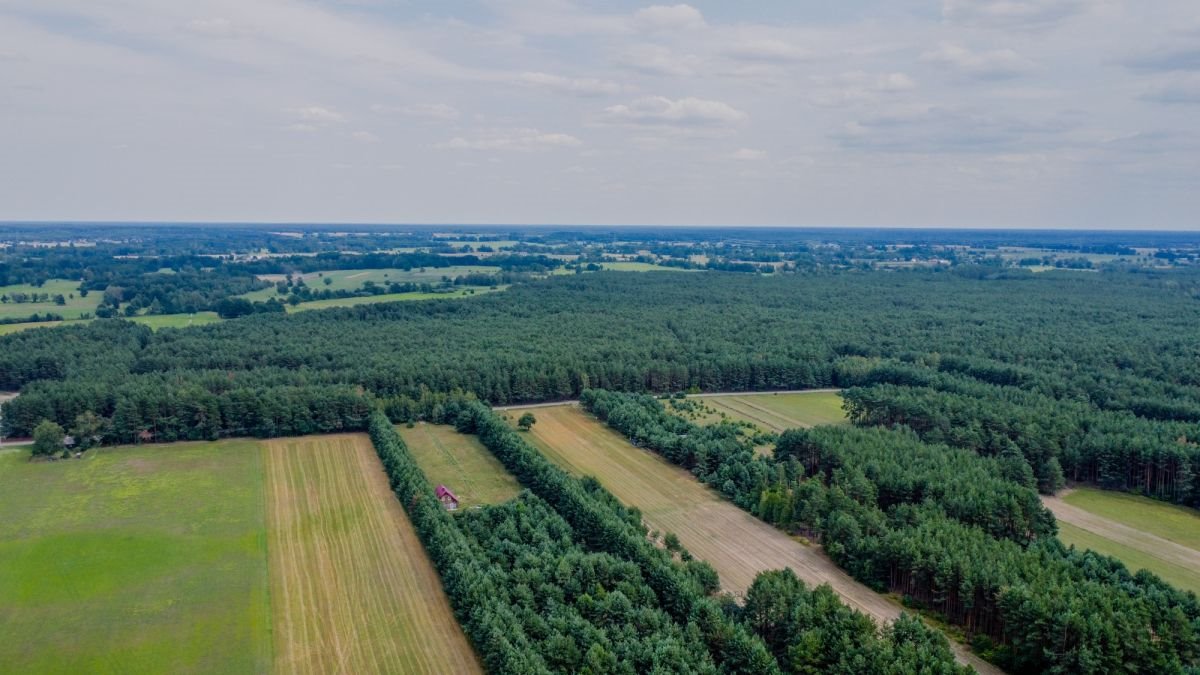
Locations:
column 906, row 113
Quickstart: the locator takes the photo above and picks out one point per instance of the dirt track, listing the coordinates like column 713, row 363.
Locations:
column 1150, row 544
column 736, row 543
column 351, row 588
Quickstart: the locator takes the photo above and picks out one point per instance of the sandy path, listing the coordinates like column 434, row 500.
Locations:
column 351, row 588
column 1150, row 544
column 736, row 543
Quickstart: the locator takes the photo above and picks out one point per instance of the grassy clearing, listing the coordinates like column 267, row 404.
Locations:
column 73, row 309
column 135, row 560
column 349, row 280
column 770, row 412
column 1173, row 523
column 157, row 321
column 641, row 267
column 1178, row 575
column 154, row 321
column 461, row 463
column 392, row 297
column 352, row 590
column 7, row 328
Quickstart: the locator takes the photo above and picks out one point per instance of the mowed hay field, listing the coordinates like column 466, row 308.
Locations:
column 774, row 412
column 737, row 544
column 352, row 590
column 1142, row 533
column 135, row 560
column 461, row 463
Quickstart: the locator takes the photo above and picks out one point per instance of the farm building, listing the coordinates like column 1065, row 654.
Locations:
column 447, row 498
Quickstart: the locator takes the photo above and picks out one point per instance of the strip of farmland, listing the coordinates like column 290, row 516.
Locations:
column 460, row 462
column 734, row 542
column 352, row 589
column 1136, row 547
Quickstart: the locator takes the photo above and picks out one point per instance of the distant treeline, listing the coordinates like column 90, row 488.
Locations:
column 177, row 284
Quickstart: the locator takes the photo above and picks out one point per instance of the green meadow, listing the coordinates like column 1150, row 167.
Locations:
column 135, row 560
column 1169, row 521
column 1183, row 577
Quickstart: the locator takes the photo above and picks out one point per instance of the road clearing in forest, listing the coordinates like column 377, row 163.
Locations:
column 351, row 587
column 1137, row 546
column 734, row 542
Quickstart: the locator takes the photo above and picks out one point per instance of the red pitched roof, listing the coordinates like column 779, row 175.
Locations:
column 443, row 491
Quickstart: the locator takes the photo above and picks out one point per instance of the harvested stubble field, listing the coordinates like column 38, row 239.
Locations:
column 352, row 589
column 737, row 544
column 461, row 463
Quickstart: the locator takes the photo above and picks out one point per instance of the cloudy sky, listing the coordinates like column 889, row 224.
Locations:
column 975, row 113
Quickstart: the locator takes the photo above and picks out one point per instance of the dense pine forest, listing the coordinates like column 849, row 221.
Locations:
column 1089, row 377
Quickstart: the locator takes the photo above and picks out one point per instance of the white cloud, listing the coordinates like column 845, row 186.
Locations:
column 858, row 87
column 1179, row 89
column 364, row 137
column 770, row 50
column 429, row 111
column 567, row 85
column 1011, row 13
column 988, row 65
column 668, row 17
column 522, row 140
column 684, row 112
column 749, row 155
column 314, row 114
column 215, row 28
column 657, row 60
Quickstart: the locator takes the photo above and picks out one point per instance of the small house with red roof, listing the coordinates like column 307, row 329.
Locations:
column 447, row 498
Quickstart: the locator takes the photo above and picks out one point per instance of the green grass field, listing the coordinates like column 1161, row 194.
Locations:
column 349, row 280
column 771, row 412
column 154, row 321
column 641, row 267
column 391, row 297
column 1177, row 575
column 135, row 560
column 7, row 328
column 157, row 321
column 74, row 308
column 1173, row 523
column 461, row 463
